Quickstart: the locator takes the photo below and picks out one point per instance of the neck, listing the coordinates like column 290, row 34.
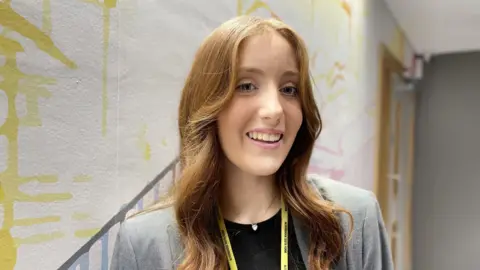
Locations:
column 248, row 199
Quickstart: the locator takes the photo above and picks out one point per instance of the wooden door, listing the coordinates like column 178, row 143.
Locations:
column 394, row 157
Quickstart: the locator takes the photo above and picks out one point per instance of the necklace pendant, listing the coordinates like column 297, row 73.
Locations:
column 254, row 227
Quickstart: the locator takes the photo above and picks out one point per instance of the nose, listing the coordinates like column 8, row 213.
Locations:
column 271, row 108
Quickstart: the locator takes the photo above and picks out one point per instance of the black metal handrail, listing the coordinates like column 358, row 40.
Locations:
column 118, row 217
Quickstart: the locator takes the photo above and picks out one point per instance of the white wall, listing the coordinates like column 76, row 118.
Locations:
column 95, row 85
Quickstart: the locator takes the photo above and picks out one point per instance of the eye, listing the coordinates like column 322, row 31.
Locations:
column 246, row 87
column 289, row 90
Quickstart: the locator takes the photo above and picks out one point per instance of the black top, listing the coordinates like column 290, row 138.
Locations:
column 260, row 249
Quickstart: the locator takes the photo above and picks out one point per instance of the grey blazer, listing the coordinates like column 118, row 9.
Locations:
column 151, row 241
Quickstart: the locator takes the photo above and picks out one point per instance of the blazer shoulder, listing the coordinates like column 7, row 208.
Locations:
column 369, row 246
column 156, row 227
column 154, row 220
column 148, row 240
column 353, row 199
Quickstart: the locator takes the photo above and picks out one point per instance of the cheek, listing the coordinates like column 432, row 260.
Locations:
column 229, row 124
column 295, row 118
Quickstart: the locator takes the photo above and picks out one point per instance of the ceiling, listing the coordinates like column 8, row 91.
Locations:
column 439, row 26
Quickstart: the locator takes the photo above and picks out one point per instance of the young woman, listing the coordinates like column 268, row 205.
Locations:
column 248, row 122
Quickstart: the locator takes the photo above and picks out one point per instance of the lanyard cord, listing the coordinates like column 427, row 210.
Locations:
column 284, row 240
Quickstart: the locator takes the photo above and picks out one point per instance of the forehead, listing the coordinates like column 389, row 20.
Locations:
column 267, row 50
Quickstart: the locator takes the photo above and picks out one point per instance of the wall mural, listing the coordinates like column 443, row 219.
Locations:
column 33, row 87
column 88, row 96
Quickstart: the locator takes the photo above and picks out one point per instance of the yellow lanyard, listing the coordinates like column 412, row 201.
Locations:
column 284, row 241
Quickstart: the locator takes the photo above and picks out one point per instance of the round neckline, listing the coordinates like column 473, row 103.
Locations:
column 266, row 223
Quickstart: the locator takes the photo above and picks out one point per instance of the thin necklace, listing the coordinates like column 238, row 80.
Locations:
column 255, row 225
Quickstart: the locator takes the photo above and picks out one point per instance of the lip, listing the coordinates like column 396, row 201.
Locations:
column 266, row 145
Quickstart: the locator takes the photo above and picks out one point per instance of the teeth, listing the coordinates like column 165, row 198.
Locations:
column 264, row 136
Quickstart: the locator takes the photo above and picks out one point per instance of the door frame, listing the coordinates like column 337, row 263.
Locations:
column 388, row 65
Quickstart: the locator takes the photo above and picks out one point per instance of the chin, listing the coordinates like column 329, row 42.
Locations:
column 263, row 168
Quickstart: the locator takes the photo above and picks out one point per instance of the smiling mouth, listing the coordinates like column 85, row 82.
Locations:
column 264, row 137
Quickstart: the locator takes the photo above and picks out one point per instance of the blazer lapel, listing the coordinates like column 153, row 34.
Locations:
column 176, row 248
column 302, row 233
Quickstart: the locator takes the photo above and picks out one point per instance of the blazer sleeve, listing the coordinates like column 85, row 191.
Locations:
column 123, row 257
column 376, row 247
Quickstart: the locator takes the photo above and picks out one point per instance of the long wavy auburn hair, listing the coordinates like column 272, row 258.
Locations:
column 208, row 88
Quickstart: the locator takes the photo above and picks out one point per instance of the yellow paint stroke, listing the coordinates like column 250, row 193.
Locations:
column 80, row 216
column 110, row 3
column 10, row 19
column 14, row 83
column 39, row 238
column 257, row 4
column 143, row 143
column 44, row 179
column 47, row 17
column 313, row 58
column 239, row 7
column 8, row 250
column 82, row 178
column 148, row 152
column 86, row 233
column 107, row 5
column 164, row 142
column 397, row 44
column 333, row 75
column 32, row 88
column 106, row 38
column 337, row 16
column 348, row 9
column 333, row 96
column 2, row 194
column 43, row 197
column 36, row 221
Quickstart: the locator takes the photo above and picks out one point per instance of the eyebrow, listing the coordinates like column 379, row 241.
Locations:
column 291, row 73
